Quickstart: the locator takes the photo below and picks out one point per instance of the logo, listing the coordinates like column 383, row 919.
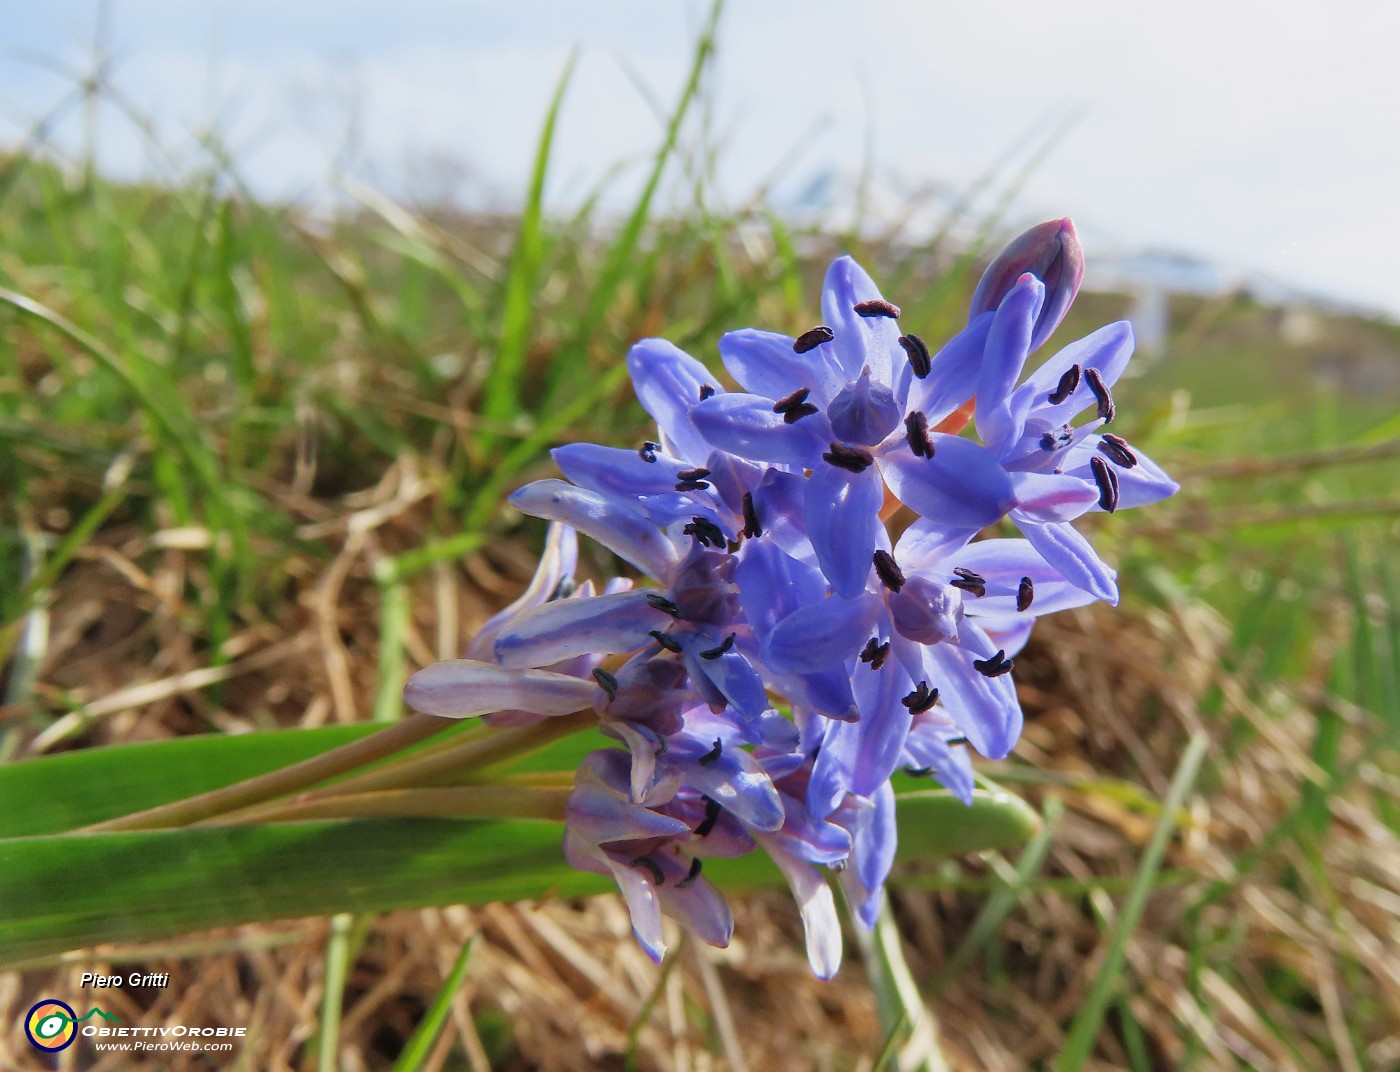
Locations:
column 52, row 1024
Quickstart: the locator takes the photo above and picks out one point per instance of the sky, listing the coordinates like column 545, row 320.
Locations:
column 1259, row 136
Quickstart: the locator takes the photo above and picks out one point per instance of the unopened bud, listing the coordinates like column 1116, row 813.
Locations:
column 1051, row 252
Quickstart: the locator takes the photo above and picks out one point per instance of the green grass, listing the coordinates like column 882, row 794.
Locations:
column 179, row 359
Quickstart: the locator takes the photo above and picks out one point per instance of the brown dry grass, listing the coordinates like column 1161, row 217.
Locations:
column 1297, row 932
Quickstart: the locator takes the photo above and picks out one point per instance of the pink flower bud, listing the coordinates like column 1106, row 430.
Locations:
column 1051, row 252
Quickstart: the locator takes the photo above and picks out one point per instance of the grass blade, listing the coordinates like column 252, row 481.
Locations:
column 425, row 1036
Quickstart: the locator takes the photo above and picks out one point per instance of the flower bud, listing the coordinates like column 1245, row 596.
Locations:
column 1051, row 252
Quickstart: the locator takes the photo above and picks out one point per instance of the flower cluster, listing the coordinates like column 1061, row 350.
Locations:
column 792, row 654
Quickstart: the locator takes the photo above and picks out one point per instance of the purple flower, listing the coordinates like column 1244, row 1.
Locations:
column 855, row 403
column 1050, row 251
column 1060, row 471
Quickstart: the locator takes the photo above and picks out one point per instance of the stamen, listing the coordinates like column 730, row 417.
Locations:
column 752, row 528
column 1115, row 448
column 795, row 406
column 692, row 479
column 955, row 740
column 840, row 865
column 606, row 682
column 665, row 640
column 994, row 665
column 810, row 340
column 649, row 865
column 712, row 809
column 1025, row 592
column 706, row 532
column 876, row 307
column 918, row 772
column 921, row 699
column 706, row 391
column 852, row 459
column 713, row 754
column 875, row 653
column 1055, row 440
column 968, row 581
column 648, row 451
column 1107, row 480
column 917, row 349
column 691, row 875
column 1066, row 387
column 887, row 569
column 1102, row 395
column 724, row 646
column 661, row 603
column 916, row 429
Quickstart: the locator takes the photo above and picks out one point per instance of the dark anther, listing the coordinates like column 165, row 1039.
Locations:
column 875, row 653
column 652, row 868
column 706, row 391
column 661, row 603
column 1055, row 440
column 973, row 583
column 956, row 740
column 917, row 350
column 810, row 340
column 706, row 532
column 752, row 528
column 712, row 809
column 665, row 640
column 713, row 754
column 918, row 772
column 1068, row 382
column 887, row 569
column 1102, row 395
column 692, row 479
column 840, row 865
column 648, row 451
column 567, row 587
column 691, row 875
column 795, row 406
column 1115, row 448
column 1025, row 592
column 921, row 699
column 994, row 665
column 877, row 307
column 606, row 682
column 916, row 429
column 852, row 459
column 716, row 652
column 1107, row 480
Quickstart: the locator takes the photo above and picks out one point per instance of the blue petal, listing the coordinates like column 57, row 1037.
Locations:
column 873, row 843
column 952, row 764
column 668, row 381
column 1106, row 350
column 619, row 528
column 764, row 363
column 962, row 486
column 773, row 584
column 1145, row 483
column 817, row 906
column 860, row 341
column 883, row 726
column 600, row 625
column 843, row 520
column 558, row 561
column 952, row 379
column 616, row 472
column 1054, row 496
column 985, row 708
column 1004, row 563
column 1069, row 552
column 463, row 688
column 738, row 781
column 816, row 637
column 747, row 426
column 1007, row 346
column 928, row 542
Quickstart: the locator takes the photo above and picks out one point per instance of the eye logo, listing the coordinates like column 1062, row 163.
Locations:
column 50, row 1025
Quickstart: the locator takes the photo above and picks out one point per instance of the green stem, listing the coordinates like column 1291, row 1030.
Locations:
column 457, row 802
column 278, row 783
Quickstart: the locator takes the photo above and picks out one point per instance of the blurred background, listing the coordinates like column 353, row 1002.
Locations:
column 299, row 293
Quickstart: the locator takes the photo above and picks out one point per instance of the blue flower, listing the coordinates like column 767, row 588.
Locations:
column 856, row 403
